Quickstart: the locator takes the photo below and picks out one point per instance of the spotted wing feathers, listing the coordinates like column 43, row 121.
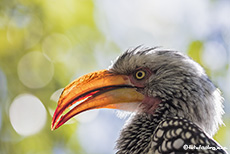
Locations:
column 178, row 135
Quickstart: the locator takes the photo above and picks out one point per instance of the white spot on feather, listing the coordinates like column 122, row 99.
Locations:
column 159, row 133
column 178, row 143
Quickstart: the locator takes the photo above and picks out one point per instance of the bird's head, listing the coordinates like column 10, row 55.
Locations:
column 141, row 80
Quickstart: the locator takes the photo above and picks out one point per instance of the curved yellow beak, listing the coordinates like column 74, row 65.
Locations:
column 101, row 89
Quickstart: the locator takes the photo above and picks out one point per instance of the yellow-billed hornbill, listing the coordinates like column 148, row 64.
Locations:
column 178, row 109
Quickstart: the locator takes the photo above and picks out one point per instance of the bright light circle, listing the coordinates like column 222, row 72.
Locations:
column 56, row 47
column 35, row 70
column 27, row 114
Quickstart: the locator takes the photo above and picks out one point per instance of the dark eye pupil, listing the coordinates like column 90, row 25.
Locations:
column 139, row 74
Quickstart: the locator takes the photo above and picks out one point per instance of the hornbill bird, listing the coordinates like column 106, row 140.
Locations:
column 177, row 109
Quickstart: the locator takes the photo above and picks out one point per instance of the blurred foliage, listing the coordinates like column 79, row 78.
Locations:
column 24, row 26
column 66, row 36
column 194, row 51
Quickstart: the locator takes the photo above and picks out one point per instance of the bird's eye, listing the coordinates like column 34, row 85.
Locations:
column 140, row 74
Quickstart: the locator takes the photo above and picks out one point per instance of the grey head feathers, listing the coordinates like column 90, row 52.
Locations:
column 178, row 79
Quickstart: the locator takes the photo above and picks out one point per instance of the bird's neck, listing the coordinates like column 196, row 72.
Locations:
column 136, row 135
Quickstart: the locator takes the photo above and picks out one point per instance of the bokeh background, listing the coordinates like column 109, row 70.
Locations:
column 45, row 44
